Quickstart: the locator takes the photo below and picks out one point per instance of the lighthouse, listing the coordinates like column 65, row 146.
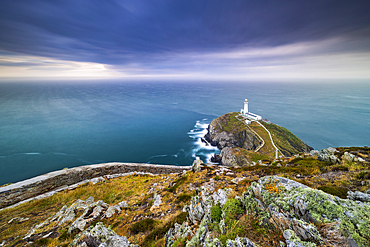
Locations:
column 251, row 116
column 245, row 106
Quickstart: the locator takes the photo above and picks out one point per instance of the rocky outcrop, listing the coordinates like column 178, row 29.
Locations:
column 199, row 212
column 234, row 157
column 100, row 236
column 359, row 196
column 197, row 165
column 327, row 154
column 60, row 180
column 231, row 135
column 297, row 209
column 88, row 211
column 239, row 137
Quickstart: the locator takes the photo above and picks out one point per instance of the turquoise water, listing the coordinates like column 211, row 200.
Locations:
column 50, row 126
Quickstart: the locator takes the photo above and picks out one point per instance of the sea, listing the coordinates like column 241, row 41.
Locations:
column 52, row 125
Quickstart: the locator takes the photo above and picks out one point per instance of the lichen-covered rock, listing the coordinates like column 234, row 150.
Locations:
column 112, row 210
column 178, row 232
column 202, row 235
column 210, row 185
column 123, row 204
column 196, row 209
column 358, row 196
column 293, row 241
column 201, row 203
column 327, row 154
column 100, row 236
column 92, row 212
column 289, row 205
column 220, row 196
column 240, row 242
column 348, row 158
column 197, row 164
column 63, row 216
column 157, row 201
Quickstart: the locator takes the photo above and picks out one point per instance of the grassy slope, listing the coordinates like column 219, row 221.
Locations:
column 285, row 140
column 175, row 191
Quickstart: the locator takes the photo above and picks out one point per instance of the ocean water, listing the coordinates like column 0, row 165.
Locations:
column 53, row 125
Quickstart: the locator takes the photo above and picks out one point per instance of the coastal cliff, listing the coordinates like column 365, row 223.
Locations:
column 237, row 140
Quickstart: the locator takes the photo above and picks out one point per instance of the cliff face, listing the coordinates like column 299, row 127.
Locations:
column 242, row 145
column 227, row 131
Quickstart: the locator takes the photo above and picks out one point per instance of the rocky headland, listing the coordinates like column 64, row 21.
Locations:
column 303, row 197
column 242, row 144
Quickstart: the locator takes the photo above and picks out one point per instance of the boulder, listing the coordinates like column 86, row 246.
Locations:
column 123, row 204
column 100, row 236
column 348, row 158
column 328, row 155
column 156, row 201
column 197, row 164
column 112, row 210
column 358, row 196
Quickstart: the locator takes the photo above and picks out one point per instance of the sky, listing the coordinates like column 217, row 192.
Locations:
column 185, row 40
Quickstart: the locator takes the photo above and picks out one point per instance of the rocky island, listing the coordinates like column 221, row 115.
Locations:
column 270, row 189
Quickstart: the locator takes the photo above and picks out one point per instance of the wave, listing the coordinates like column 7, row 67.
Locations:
column 32, row 153
column 201, row 148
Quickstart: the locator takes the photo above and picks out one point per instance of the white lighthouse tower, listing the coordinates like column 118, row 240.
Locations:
column 251, row 116
column 245, row 106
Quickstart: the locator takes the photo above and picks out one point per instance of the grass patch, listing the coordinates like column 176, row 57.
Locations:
column 143, row 225
column 302, row 166
column 184, row 197
column 216, row 214
column 233, row 209
column 363, row 175
column 230, row 123
column 335, row 190
column 177, row 184
column 160, row 232
column 285, row 140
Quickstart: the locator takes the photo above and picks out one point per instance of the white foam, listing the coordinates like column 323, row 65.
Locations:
column 32, row 153
column 201, row 148
column 158, row 156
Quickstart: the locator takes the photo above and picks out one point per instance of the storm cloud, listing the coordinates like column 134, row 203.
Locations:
column 177, row 37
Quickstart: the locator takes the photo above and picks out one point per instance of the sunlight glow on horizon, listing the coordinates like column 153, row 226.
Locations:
column 305, row 60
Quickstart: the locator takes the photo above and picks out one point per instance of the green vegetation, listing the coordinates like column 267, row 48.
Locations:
column 253, row 156
column 184, row 197
column 216, row 213
column 231, row 124
column 143, row 225
column 146, row 226
column 285, row 140
column 177, row 184
column 334, row 190
column 302, row 166
column 363, row 175
column 159, row 232
column 233, row 209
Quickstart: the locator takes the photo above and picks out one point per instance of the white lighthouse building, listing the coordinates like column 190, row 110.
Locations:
column 251, row 116
column 245, row 105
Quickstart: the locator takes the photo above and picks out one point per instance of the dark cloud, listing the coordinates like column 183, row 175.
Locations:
column 121, row 32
